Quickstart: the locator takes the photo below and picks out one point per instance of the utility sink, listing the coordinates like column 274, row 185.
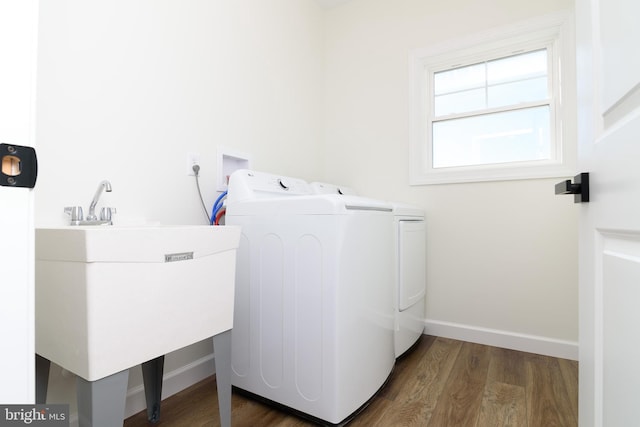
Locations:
column 109, row 297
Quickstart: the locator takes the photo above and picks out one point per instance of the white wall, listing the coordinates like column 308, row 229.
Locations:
column 127, row 88
column 502, row 256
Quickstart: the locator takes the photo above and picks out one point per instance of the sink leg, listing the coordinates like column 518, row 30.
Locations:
column 152, row 376
column 42, row 378
column 102, row 402
column 222, row 355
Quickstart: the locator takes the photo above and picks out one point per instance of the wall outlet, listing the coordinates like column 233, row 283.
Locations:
column 192, row 159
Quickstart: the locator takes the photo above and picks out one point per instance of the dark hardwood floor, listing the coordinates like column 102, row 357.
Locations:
column 439, row 383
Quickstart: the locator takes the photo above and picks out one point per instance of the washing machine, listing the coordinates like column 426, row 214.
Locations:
column 409, row 261
column 314, row 319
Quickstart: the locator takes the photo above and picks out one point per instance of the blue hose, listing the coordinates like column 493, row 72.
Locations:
column 217, row 205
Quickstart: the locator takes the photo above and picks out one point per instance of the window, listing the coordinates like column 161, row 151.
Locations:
column 491, row 108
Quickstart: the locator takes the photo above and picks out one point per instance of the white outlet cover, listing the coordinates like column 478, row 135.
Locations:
column 192, row 159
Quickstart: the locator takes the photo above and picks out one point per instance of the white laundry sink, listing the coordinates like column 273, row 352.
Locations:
column 109, row 298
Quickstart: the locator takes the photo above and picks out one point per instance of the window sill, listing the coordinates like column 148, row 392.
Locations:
column 509, row 173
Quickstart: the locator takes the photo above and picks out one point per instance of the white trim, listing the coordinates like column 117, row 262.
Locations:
column 558, row 26
column 518, row 31
column 19, row 47
column 504, row 339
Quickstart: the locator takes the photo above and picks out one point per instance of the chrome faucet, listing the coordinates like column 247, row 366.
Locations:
column 92, row 219
column 104, row 185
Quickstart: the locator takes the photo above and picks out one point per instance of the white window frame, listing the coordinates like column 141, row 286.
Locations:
column 553, row 32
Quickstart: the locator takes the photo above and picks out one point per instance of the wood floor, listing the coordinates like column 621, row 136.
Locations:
column 440, row 383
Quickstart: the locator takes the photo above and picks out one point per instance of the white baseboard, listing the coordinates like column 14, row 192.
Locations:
column 504, row 339
column 173, row 382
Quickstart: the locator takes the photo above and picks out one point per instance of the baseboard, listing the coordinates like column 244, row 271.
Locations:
column 504, row 339
column 173, row 382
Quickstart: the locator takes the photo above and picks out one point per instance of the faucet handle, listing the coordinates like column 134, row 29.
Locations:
column 105, row 213
column 75, row 212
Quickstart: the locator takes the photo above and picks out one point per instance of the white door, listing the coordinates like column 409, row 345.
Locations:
column 609, row 139
column 18, row 36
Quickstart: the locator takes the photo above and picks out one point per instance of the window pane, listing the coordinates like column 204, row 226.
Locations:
column 518, row 67
column 459, row 79
column 513, row 136
column 517, row 92
column 460, row 102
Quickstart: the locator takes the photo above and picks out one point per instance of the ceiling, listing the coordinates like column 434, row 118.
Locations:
column 328, row 4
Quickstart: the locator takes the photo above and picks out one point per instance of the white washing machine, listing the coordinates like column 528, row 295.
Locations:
column 409, row 258
column 314, row 318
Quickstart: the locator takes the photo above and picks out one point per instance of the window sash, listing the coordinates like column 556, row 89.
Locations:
column 484, row 79
column 478, row 142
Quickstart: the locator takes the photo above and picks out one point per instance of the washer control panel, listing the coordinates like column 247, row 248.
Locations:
column 246, row 183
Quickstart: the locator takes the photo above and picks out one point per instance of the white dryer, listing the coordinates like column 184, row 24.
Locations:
column 409, row 261
column 314, row 319
column 410, row 254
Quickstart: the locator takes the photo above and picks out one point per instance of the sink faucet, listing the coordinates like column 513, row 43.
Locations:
column 104, row 185
column 92, row 219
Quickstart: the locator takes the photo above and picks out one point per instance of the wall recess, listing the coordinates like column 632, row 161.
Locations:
column 228, row 162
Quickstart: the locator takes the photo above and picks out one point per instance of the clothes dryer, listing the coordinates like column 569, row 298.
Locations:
column 314, row 319
column 409, row 261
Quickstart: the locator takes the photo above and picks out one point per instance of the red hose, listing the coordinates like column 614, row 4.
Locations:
column 219, row 215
